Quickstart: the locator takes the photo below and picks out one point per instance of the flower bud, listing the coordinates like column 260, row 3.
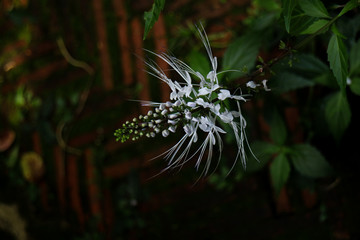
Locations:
column 177, row 103
column 191, row 104
column 164, row 112
column 165, row 133
column 172, row 129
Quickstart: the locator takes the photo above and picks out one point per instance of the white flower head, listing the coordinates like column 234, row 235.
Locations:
column 197, row 107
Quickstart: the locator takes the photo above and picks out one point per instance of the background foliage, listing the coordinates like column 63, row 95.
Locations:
column 68, row 70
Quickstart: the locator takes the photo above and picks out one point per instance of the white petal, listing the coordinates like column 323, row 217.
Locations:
column 265, row 86
column 251, row 84
column 212, row 138
column 215, row 108
column 204, row 91
column 224, row 94
column 188, row 130
column 195, row 137
column 201, row 102
column 211, row 75
column 191, row 104
column 214, row 64
column 226, row 117
column 173, row 95
column 238, row 97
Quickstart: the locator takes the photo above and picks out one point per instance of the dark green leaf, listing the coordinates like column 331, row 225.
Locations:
column 13, row 157
column 277, row 128
column 349, row 6
column 263, row 152
column 338, row 59
column 355, row 59
column 288, row 7
column 314, row 8
column 241, row 53
column 279, row 171
column 300, row 22
column 152, row 16
column 309, row 161
column 309, row 66
column 287, row 81
column 199, row 62
column 337, row 114
column 327, row 79
column 316, row 26
column 355, row 85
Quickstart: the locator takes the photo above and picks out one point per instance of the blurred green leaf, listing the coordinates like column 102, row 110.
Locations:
column 279, row 171
column 300, row 22
column 309, row 161
column 241, row 53
column 337, row 114
column 316, row 26
column 278, row 131
column 152, row 16
column 354, row 59
column 288, row 7
column 263, row 152
column 13, row 157
column 199, row 62
column 349, row 6
column 309, row 65
column 355, row 85
column 314, row 8
column 288, row 81
column 338, row 59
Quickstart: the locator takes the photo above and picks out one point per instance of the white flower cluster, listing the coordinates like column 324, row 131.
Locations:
column 197, row 104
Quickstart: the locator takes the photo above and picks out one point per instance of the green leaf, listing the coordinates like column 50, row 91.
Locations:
column 199, row 62
column 314, row 8
column 309, row 161
column 349, row 6
column 287, row 81
column 152, row 16
column 241, row 53
column 316, row 26
column 13, row 157
column 263, row 152
column 338, row 59
column 355, row 85
column 337, row 114
column 288, row 7
column 309, row 66
column 300, row 22
column 279, row 171
column 278, row 131
column 355, row 59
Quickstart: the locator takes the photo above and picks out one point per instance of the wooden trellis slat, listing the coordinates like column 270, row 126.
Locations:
column 161, row 45
column 60, row 177
column 73, row 186
column 105, row 62
column 124, row 41
column 42, row 184
column 141, row 76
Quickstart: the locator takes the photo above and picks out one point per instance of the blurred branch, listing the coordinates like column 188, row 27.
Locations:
column 83, row 97
column 71, row 60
